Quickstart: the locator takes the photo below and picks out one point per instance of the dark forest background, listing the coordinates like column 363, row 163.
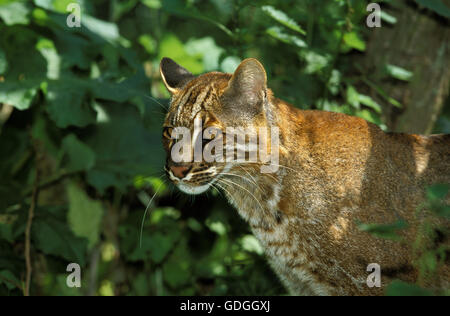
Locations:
column 80, row 130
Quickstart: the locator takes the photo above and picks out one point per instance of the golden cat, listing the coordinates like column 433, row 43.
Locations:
column 333, row 171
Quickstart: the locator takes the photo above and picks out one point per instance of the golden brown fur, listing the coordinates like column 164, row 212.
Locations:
column 334, row 170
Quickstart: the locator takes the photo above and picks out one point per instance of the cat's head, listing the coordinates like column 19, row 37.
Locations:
column 206, row 106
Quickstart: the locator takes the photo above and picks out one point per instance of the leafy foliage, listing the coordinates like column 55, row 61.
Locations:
column 80, row 116
column 399, row 288
column 436, row 6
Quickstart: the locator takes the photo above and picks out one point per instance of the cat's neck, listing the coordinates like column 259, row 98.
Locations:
column 254, row 194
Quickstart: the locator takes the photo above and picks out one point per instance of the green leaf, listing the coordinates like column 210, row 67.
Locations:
column 157, row 184
column 56, row 5
column 386, row 17
column 353, row 40
column 436, row 195
column 47, row 48
column 315, row 61
column 251, row 244
column 163, row 215
column 54, row 237
column 160, row 246
column 277, row 32
column 171, row 46
column 369, row 102
column 85, row 215
column 18, row 95
column 25, row 74
column 398, row 72
column 208, row 49
column 216, row 226
column 22, row 80
column 333, row 106
column 148, row 42
column 352, row 97
column 176, row 273
column 230, row 63
column 46, row 4
column 437, row 6
column 282, row 18
column 74, row 49
column 79, row 156
column 194, row 224
column 176, row 270
column 103, row 179
column 141, row 285
column 66, row 104
column 385, row 231
column 124, row 148
column 441, row 209
column 6, row 232
column 9, row 279
column 42, row 131
column 334, row 82
column 59, row 286
column 153, row 4
column 154, row 246
column 183, row 9
column 438, row 191
column 15, row 13
column 105, row 30
column 400, row 288
column 3, row 62
column 383, row 94
column 428, row 261
column 14, row 150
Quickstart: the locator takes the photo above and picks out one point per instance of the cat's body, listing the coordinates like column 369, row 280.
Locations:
column 333, row 171
column 345, row 170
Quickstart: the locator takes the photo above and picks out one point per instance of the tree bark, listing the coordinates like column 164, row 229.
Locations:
column 418, row 42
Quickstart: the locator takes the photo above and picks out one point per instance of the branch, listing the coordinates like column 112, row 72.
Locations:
column 34, row 198
column 47, row 182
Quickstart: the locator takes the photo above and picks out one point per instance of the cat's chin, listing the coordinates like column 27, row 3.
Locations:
column 193, row 190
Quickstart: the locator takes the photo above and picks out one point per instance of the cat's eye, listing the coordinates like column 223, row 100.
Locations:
column 167, row 132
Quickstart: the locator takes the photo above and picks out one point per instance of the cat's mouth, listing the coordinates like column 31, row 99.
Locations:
column 191, row 183
column 193, row 189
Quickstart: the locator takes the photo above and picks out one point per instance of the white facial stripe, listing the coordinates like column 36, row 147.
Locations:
column 171, row 176
column 191, row 189
column 188, row 177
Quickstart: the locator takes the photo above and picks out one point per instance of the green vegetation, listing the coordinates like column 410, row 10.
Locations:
column 80, row 149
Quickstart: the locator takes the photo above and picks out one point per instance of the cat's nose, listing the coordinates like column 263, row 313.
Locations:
column 179, row 171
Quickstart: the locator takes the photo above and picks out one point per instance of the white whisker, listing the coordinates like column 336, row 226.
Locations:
column 215, row 188
column 228, row 192
column 236, row 175
column 229, row 181
column 145, row 213
column 155, row 100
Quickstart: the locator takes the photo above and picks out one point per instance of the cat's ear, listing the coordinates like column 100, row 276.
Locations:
column 173, row 75
column 247, row 86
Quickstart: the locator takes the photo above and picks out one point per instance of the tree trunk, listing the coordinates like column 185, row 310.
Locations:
column 418, row 42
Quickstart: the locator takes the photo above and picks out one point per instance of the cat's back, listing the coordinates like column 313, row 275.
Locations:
column 349, row 170
column 339, row 141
